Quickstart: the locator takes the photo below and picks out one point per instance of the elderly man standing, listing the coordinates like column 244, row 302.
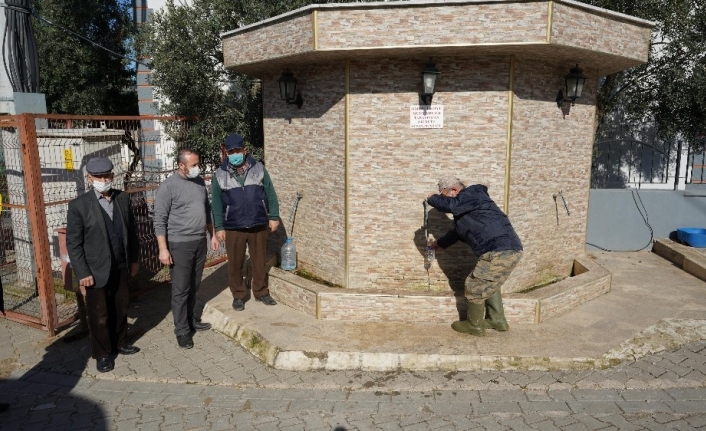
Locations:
column 487, row 230
column 102, row 244
column 182, row 216
column 244, row 207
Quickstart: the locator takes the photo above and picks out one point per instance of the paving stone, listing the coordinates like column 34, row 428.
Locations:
column 502, row 395
column 687, row 393
column 306, row 405
column 544, row 406
column 644, row 406
column 496, row 407
column 686, row 406
column 594, row 407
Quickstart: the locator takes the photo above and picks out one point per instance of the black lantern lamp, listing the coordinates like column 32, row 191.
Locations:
column 288, row 89
column 429, row 75
column 574, row 86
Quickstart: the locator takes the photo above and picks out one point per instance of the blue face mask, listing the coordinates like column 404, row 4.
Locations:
column 235, row 159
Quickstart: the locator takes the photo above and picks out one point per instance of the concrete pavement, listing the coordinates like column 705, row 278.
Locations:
column 659, row 381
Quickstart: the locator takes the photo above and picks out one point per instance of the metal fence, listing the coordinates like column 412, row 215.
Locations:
column 42, row 168
column 696, row 173
column 623, row 159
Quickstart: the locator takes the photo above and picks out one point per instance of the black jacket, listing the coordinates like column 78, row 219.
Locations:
column 87, row 237
column 479, row 222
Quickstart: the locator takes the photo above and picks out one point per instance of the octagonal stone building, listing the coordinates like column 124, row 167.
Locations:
column 356, row 151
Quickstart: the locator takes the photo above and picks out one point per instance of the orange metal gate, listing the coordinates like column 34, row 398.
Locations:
column 42, row 168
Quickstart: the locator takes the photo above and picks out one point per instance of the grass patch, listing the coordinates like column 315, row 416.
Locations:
column 309, row 276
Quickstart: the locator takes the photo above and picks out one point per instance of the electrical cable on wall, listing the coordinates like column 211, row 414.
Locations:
column 645, row 218
column 19, row 46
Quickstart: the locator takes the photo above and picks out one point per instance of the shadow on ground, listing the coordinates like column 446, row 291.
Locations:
column 41, row 398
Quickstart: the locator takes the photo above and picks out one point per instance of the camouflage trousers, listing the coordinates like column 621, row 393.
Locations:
column 489, row 275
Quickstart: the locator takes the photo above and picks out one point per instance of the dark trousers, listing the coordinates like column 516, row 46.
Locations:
column 256, row 241
column 107, row 314
column 188, row 260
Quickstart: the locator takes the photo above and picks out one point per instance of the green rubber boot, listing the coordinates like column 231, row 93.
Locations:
column 496, row 314
column 474, row 324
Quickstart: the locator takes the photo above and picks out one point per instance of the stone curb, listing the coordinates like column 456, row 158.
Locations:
column 667, row 334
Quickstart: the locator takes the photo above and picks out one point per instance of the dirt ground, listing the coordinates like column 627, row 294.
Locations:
column 7, row 366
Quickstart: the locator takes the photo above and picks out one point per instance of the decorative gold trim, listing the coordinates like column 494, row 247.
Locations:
column 262, row 97
column 315, row 24
column 508, row 150
column 318, row 307
column 590, row 159
column 347, row 168
column 550, row 20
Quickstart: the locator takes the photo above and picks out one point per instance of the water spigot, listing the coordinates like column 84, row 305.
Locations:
column 566, row 205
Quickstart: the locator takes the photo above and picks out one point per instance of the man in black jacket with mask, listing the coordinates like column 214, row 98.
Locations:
column 487, row 230
column 103, row 248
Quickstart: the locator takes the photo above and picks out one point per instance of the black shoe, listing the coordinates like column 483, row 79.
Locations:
column 4, row 407
column 185, row 341
column 267, row 300
column 238, row 305
column 128, row 349
column 104, row 365
column 200, row 326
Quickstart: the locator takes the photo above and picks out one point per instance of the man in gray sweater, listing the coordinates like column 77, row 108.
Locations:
column 182, row 216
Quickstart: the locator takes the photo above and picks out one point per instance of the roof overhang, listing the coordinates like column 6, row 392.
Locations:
column 558, row 30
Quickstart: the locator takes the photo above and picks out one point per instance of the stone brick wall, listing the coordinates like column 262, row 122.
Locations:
column 572, row 26
column 433, row 24
column 283, row 38
column 549, row 154
column 394, row 167
column 305, row 152
column 610, row 41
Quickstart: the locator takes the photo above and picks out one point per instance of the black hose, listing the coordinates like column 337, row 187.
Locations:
column 643, row 214
column 20, row 59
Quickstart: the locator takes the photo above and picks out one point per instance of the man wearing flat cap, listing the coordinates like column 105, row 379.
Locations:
column 486, row 229
column 245, row 208
column 103, row 249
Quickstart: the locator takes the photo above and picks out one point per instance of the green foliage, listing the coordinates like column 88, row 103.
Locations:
column 75, row 76
column 184, row 43
column 670, row 90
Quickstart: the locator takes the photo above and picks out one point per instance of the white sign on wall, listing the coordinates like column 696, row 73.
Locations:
column 426, row 117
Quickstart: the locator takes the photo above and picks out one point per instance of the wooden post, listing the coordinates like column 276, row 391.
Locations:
column 37, row 216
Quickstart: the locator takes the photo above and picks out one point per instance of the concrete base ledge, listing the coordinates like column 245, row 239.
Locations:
column 647, row 292
column 589, row 281
column 299, row 360
column 666, row 334
column 690, row 259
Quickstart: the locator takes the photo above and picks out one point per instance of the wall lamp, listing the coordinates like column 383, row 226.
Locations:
column 574, row 87
column 429, row 75
column 288, row 89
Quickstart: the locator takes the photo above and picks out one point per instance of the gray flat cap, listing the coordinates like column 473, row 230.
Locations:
column 99, row 166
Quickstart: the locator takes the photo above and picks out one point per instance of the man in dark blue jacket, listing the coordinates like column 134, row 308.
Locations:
column 487, row 230
column 245, row 208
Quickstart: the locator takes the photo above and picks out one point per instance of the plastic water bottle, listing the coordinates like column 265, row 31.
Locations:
column 289, row 255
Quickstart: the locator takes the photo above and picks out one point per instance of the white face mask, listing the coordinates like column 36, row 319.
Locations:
column 193, row 172
column 102, row 187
